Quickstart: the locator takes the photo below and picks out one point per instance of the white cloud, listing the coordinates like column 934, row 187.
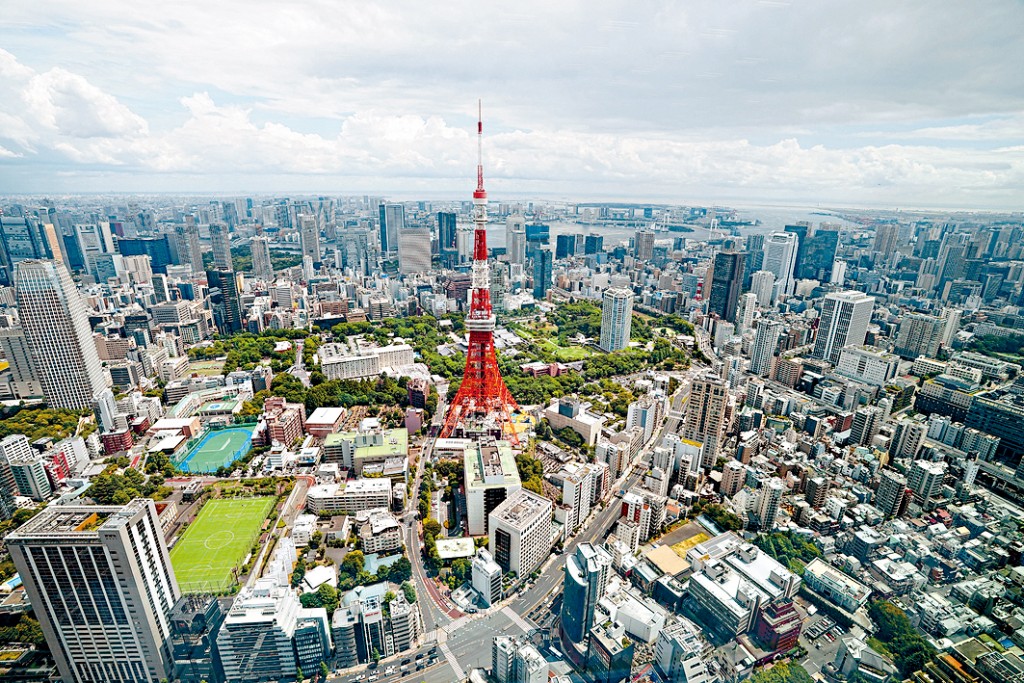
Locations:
column 758, row 101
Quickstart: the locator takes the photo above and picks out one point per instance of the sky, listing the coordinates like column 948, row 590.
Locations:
column 818, row 103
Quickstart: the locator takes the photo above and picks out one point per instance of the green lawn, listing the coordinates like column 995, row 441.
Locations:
column 217, row 542
column 207, row 368
column 567, row 353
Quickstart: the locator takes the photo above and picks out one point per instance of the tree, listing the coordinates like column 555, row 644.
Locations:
column 375, row 656
column 325, row 670
column 353, row 563
column 432, row 527
column 462, row 569
column 409, row 591
column 401, row 570
column 329, row 598
column 299, row 678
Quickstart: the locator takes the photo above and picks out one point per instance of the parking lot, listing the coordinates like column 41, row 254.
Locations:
column 821, row 638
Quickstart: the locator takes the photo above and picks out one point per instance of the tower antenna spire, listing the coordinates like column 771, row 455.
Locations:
column 480, row 146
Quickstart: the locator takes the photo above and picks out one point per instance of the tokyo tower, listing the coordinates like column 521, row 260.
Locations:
column 483, row 394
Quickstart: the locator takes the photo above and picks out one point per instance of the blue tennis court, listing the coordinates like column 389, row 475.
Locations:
column 218, row 449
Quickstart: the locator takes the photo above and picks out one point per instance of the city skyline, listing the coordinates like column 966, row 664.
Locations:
column 763, row 103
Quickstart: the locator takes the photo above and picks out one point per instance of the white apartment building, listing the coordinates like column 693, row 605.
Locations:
column 867, row 364
column 349, row 497
column 491, row 477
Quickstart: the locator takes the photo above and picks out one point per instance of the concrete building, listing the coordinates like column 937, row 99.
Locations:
column 769, row 498
column 55, row 321
column 762, row 285
column 392, row 222
column 925, row 479
column 680, row 653
column 610, row 654
column 919, row 335
column 836, row 586
column 414, row 249
column 616, row 318
column 267, row 635
column 102, row 586
column 733, row 476
column 29, row 474
column 704, row 420
column 337, row 362
column 349, row 497
column 487, row 576
column 516, row 661
column 491, row 476
column 572, row 413
column 220, row 243
column 766, row 342
column 844, row 322
column 18, row 354
column 309, row 238
column 262, row 265
column 892, row 488
column 378, row 531
column 520, row 532
column 867, row 364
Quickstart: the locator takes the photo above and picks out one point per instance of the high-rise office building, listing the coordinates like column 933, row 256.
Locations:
column 486, row 577
column 885, row 238
column 754, row 245
column 515, row 239
column 616, row 318
column 490, row 477
column 726, row 284
column 309, row 238
column 644, row 245
column 817, row 489
column 704, row 419
column 844, row 322
column 189, row 250
column 816, row 255
column 762, row 285
column 226, row 300
column 220, row 241
column 447, row 227
column 414, row 249
column 780, row 259
column 102, row 586
column 919, row 335
column 21, row 238
column 12, row 447
column 158, row 249
column 520, row 532
column 392, row 220
column 18, row 355
column 515, row 661
column 30, row 476
column 195, row 622
column 766, row 341
column 541, row 273
column 56, row 325
column 892, row 488
column 593, row 244
column 262, row 265
column 586, row 577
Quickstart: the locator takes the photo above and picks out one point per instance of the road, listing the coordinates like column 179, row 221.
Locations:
column 299, row 369
column 549, row 585
column 293, row 505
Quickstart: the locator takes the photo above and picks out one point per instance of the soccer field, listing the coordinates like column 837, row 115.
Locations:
column 217, row 541
column 218, row 449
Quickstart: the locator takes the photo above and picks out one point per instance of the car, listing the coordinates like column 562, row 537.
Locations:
column 373, row 678
column 419, row 667
column 419, row 656
column 406, row 660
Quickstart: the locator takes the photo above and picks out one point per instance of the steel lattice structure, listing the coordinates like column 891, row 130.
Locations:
column 483, row 391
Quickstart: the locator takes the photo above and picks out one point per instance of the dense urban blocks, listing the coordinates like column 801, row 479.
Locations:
column 216, row 543
column 218, row 449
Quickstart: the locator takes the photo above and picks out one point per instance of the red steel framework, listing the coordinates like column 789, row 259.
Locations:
column 483, row 391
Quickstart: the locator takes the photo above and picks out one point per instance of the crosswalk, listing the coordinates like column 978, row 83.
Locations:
column 517, row 620
column 454, row 663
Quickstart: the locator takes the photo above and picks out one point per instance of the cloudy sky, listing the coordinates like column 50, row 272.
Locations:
column 909, row 104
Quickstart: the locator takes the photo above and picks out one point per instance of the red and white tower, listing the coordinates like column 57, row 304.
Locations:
column 483, row 394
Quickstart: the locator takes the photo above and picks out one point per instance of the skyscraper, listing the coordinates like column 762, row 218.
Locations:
column 762, row 285
column 21, row 238
column 515, row 239
column 18, row 355
column 925, row 479
column 262, row 265
column 392, row 220
column 593, row 244
column 766, row 340
column 919, row 335
column 541, row 273
column 726, row 283
column 780, row 259
column 309, row 236
column 447, row 225
column 190, row 252
column 816, row 255
column 102, row 586
column 616, row 318
column 220, row 239
column 586, row 578
column 226, row 300
column 644, row 245
column 565, row 246
column 56, row 326
column 414, row 249
column 844, row 322
column 705, row 415
column 745, row 312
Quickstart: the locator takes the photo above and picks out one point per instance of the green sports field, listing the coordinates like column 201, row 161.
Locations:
column 217, row 541
column 217, row 449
